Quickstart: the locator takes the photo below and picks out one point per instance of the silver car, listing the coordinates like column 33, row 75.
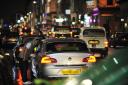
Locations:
column 63, row 58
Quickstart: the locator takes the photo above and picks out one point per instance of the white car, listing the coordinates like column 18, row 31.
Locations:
column 63, row 58
column 96, row 39
column 60, row 32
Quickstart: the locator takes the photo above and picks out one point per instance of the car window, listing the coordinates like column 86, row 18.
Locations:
column 62, row 29
column 122, row 35
column 66, row 47
column 94, row 33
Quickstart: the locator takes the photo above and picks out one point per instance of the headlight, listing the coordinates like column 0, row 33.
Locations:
column 1, row 56
column 7, row 54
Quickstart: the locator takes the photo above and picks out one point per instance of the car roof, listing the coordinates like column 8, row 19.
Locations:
column 63, row 40
column 94, row 27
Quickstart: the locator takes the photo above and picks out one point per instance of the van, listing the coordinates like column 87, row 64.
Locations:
column 96, row 39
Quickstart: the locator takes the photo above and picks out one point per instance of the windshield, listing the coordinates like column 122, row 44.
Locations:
column 94, row 33
column 62, row 29
column 66, row 47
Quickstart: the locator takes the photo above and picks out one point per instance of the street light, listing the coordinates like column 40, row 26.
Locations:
column 34, row 2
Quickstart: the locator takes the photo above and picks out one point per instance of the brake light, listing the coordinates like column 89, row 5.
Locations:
column 106, row 43
column 90, row 59
column 48, row 60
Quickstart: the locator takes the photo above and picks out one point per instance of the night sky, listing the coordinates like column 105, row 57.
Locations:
column 9, row 8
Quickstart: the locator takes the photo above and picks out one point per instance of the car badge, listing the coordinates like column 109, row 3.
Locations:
column 69, row 58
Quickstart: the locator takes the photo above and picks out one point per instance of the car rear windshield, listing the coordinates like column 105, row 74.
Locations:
column 62, row 29
column 66, row 47
column 94, row 33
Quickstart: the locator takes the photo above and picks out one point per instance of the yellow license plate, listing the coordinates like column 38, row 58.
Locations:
column 71, row 71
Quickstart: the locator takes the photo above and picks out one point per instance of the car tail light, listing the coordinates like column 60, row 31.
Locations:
column 90, row 59
column 48, row 60
column 106, row 43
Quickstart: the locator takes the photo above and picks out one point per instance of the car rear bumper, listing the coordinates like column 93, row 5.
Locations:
column 61, row 71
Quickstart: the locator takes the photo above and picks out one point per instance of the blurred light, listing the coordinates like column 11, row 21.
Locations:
column 7, row 54
column 115, row 60
column 59, row 20
column 122, row 19
column 71, row 81
column 44, row 22
column 86, row 82
column 94, row 20
column 125, row 25
column 25, row 17
column 21, row 33
column 92, row 59
column 49, row 1
column 104, row 67
column 106, row 43
column 20, row 49
column 95, row 14
column 82, row 22
column 34, row 2
column 79, row 17
column 73, row 23
column 58, row 1
column 18, row 21
column 65, row 19
column 68, row 11
column 22, row 18
column 32, row 30
column 95, row 11
column 25, row 28
column 31, row 33
column 1, row 56
column 28, row 14
column 87, row 20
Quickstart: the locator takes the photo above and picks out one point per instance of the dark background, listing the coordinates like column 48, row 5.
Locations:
column 9, row 8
